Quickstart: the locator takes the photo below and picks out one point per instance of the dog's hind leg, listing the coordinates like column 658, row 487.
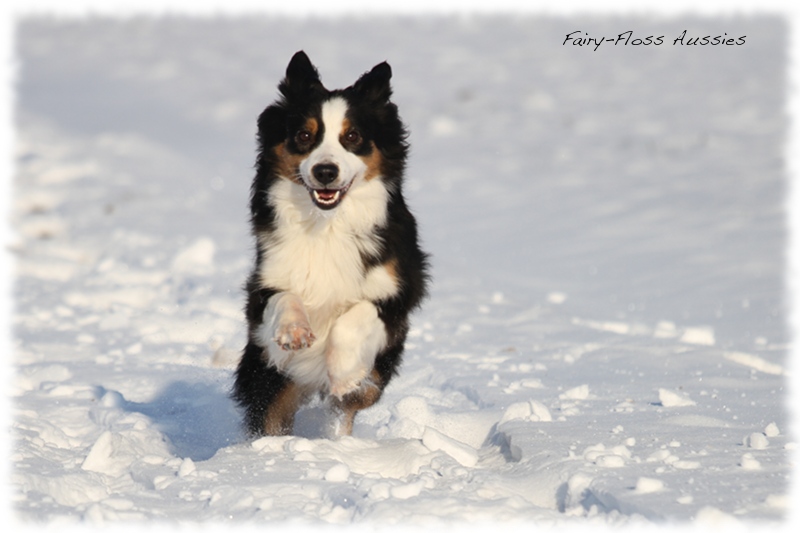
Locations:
column 279, row 418
column 268, row 397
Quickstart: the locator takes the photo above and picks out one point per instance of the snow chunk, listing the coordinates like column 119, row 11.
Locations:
column 757, row 441
column 338, row 473
column 610, row 461
column 665, row 330
column 714, row 517
column 307, row 457
column 112, row 399
column 580, row 392
column 540, row 412
column 701, row 335
column 411, row 416
column 777, row 501
column 516, row 411
column 270, row 444
column 748, row 462
column 620, row 328
column 299, row 445
column 577, row 485
column 754, row 362
column 379, row 491
column 113, row 453
column 436, row 441
column 99, row 458
column 391, row 458
column 414, row 407
column 670, row 398
column 772, row 430
column 647, row 485
column 659, row 455
column 404, row 492
column 607, row 458
column 531, row 410
column 187, row 468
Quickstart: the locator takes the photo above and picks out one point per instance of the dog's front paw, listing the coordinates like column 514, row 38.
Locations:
column 345, row 383
column 294, row 336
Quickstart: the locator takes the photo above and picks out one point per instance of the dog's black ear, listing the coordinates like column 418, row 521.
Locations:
column 301, row 77
column 374, row 85
column 272, row 126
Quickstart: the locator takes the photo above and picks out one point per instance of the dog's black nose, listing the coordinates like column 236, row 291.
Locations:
column 325, row 173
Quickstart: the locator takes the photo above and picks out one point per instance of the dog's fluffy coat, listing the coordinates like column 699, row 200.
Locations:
column 338, row 267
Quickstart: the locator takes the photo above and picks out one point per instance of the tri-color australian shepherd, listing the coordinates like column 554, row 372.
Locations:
column 338, row 268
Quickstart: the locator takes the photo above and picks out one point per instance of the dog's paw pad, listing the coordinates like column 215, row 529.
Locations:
column 294, row 336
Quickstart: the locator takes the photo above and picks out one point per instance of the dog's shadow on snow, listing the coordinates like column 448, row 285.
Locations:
column 198, row 418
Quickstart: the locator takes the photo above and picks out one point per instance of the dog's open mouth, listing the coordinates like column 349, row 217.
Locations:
column 328, row 198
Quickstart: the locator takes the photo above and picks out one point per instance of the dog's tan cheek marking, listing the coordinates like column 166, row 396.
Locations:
column 280, row 414
column 374, row 163
column 312, row 126
column 345, row 127
column 287, row 164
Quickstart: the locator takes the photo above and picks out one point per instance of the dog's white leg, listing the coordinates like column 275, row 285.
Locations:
column 355, row 339
column 285, row 327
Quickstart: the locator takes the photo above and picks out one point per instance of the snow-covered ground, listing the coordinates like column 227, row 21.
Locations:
column 606, row 337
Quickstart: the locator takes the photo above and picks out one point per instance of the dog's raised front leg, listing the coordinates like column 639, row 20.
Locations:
column 286, row 327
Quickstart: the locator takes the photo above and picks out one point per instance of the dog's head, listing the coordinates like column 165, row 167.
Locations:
column 330, row 141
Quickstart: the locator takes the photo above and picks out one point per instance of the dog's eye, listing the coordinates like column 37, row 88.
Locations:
column 303, row 137
column 352, row 137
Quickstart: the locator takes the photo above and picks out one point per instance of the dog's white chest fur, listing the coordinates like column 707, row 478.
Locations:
column 317, row 256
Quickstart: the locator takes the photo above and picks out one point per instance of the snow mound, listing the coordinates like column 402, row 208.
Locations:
column 670, row 398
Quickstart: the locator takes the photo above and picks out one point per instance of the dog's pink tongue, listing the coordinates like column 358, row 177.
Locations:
column 326, row 196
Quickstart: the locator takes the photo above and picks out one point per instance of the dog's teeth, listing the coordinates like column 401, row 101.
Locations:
column 327, row 201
